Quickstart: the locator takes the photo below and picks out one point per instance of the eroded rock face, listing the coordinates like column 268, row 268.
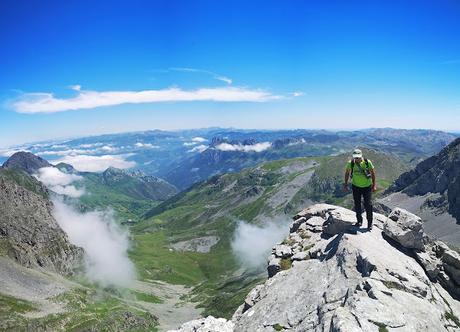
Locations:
column 351, row 279
column 208, row 324
column 29, row 233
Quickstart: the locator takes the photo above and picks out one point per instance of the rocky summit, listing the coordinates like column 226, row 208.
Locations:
column 329, row 275
column 26, row 161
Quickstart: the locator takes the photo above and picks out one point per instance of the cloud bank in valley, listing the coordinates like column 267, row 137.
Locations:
column 252, row 244
column 257, row 147
column 105, row 244
column 60, row 182
column 86, row 163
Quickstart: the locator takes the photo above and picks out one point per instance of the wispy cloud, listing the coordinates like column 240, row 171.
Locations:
column 86, row 99
column 199, row 148
column 207, row 72
column 60, row 182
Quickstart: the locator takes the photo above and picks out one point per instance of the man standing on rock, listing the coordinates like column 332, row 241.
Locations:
column 362, row 174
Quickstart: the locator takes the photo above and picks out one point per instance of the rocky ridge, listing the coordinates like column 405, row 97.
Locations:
column 438, row 174
column 29, row 234
column 329, row 275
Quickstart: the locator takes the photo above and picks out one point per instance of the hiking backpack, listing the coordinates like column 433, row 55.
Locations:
column 366, row 171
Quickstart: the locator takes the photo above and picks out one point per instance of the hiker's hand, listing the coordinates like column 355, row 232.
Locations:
column 374, row 187
column 345, row 187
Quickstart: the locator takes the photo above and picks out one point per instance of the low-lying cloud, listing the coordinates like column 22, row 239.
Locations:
column 257, row 147
column 199, row 148
column 145, row 145
column 40, row 102
column 105, row 244
column 86, row 163
column 253, row 243
column 60, row 182
column 199, row 139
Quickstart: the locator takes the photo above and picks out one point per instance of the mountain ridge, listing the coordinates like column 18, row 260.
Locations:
column 329, row 275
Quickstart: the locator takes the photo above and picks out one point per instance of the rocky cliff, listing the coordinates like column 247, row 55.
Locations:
column 432, row 190
column 29, row 233
column 329, row 275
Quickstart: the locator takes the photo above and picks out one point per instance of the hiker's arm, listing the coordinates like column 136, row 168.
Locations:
column 345, row 182
column 374, row 184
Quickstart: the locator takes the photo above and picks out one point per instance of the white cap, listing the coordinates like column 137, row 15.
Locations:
column 357, row 153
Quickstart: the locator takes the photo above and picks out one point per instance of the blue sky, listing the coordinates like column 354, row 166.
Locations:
column 73, row 68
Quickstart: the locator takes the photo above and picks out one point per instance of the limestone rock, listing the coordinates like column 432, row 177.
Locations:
column 29, row 233
column 282, row 251
column 208, row 324
column 406, row 229
column 354, row 281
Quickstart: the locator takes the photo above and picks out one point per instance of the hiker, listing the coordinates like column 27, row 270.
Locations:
column 362, row 174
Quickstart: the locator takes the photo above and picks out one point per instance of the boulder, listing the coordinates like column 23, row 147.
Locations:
column 208, row 324
column 406, row 229
column 274, row 266
column 338, row 221
column 282, row 251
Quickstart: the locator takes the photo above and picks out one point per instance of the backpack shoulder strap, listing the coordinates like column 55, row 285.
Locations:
column 352, row 162
column 367, row 162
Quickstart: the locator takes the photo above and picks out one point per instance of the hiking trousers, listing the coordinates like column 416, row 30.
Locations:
column 366, row 193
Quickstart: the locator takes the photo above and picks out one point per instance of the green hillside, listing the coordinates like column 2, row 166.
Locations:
column 130, row 195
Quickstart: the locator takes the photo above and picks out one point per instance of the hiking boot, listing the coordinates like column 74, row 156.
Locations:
column 358, row 224
column 369, row 227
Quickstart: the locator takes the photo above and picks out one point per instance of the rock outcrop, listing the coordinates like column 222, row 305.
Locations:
column 329, row 275
column 26, row 161
column 437, row 174
column 28, row 232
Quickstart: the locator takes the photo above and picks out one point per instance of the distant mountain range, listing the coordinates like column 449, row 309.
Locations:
column 232, row 178
column 189, row 156
column 128, row 193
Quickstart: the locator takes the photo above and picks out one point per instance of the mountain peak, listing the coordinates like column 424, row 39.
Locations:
column 26, row 161
column 329, row 275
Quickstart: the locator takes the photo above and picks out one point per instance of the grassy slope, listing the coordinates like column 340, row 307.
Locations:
column 100, row 195
column 212, row 207
column 86, row 308
column 24, row 180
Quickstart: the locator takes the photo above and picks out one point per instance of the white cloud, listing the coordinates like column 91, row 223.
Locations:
column 258, row 147
column 9, row 152
column 252, row 243
column 47, row 103
column 199, row 148
column 199, row 139
column 108, row 148
column 51, row 176
column 190, row 143
column 224, row 79
column 59, row 182
column 64, row 152
column 90, row 145
column 76, row 87
column 297, row 93
column 146, row 145
column 86, row 163
column 105, row 244
column 70, row 191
